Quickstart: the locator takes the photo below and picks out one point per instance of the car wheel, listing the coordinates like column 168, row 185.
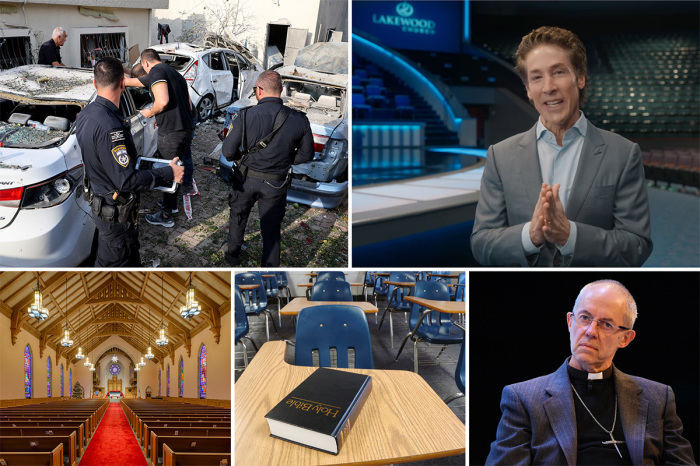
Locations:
column 205, row 107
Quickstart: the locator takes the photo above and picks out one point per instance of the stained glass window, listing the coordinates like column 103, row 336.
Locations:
column 158, row 382
column 182, row 378
column 70, row 382
column 27, row 372
column 61, row 379
column 48, row 377
column 203, row 372
column 167, row 393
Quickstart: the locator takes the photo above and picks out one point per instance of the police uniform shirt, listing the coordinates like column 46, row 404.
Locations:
column 49, row 53
column 177, row 115
column 293, row 143
column 109, row 153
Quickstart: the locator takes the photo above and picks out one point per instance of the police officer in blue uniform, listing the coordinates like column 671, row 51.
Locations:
column 265, row 158
column 111, row 179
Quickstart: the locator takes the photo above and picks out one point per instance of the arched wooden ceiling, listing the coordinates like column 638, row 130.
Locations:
column 99, row 305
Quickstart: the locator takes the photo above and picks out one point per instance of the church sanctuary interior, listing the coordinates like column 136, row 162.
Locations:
column 128, row 368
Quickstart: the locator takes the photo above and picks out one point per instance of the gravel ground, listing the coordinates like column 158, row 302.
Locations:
column 310, row 237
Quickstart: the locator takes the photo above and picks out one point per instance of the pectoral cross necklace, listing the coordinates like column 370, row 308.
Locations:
column 612, row 440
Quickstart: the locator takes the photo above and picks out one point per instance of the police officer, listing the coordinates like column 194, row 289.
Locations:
column 112, row 180
column 267, row 158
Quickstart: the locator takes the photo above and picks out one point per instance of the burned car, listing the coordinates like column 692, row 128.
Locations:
column 215, row 76
column 44, row 222
column 317, row 85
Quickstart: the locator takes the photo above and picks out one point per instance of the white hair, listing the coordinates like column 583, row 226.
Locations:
column 58, row 32
column 630, row 304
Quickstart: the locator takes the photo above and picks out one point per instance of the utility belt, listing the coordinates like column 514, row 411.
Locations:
column 266, row 176
column 126, row 210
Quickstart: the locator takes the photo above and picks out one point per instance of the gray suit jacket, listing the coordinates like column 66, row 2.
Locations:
column 608, row 202
column 538, row 425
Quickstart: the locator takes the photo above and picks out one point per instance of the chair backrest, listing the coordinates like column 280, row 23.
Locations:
column 322, row 276
column 437, row 291
column 369, row 279
column 271, row 288
column 396, row 293
column 331, row 290
column 338, row 326
column 402, row 100
column 242, row 327
column 358, row 99
column 256, row 299
column 462, row 289
column 380, row 288
column 282, row 278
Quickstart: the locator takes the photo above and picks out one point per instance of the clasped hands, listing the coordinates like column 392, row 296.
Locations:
column 549, row 222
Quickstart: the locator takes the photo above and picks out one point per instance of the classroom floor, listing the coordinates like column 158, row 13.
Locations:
column 438, row 373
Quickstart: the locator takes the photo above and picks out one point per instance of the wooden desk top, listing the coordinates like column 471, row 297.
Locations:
column 248, row 287
column 297, row 304
column 387, row 282
column 452, row 307
column 267, row 276
column 402, row 420
column 443, row 275
column 309, row 285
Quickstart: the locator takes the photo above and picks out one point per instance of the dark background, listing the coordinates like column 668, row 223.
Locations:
column 518, row 331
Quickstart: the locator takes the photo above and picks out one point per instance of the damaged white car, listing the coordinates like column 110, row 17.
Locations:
column 317, row 85
column 44, row 222
column 215, row 76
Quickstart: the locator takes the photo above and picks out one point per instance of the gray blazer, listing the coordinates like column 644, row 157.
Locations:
column 608, row 202
column 538, row 425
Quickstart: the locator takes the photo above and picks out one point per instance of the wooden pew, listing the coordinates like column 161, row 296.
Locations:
column 144, row 434
column 79, row 426
column 184, row 444
column 41, row 431
column 186, row 432
column 33, row 456
column 89, row 427
column 193, row 418
column 179, row 458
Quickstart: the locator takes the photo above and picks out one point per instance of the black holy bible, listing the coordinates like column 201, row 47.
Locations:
column 321, row 410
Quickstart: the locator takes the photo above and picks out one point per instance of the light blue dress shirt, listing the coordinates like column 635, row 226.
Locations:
column 558, row 165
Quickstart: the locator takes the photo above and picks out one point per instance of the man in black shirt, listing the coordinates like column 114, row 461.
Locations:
column 268, row 168
column 49, row 53
column 174, row 115
column 108, row 152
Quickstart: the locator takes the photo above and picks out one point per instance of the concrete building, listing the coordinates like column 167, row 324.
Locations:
column 95, row 28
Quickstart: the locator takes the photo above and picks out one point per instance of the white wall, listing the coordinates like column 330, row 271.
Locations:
column 42, row 19
column 12, row 366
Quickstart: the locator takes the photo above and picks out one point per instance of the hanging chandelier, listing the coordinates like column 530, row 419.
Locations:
column 37, row 309
column 137, row 367
column 142, row 363
column 162, row 339
column 149, row 354
column 80, row 354
column 191, row 307
column 87, row 361
column 92, row 367
column 66, row 341
column 114, row 359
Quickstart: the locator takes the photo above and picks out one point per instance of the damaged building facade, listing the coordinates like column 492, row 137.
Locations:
column 95, row 28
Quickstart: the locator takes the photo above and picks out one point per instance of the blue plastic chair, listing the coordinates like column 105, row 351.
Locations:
column 379, row 288
column 322, row 276
column 242, row 327
column 331, row 290
column 283, row 284
column 343, row 327
column 428, row 325
column 396, row 302
column 255, row 300
column 367, row 283
column 460, row 377
column 272, row 291
column 461, row 288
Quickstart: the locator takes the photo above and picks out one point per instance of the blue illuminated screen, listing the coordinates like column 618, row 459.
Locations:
column 416, row 25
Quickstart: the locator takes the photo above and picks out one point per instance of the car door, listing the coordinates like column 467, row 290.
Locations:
column 221, row 78
column 143, row 130
column 242, row 71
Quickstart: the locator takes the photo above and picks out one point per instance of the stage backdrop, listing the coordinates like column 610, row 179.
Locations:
column 435, row 26
column 518, row 331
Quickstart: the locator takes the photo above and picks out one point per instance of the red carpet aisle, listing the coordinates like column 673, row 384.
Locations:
column 114, row 443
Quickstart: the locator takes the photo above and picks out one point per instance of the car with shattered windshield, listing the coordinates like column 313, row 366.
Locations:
column 44, row 220
column 215, row 76
column 316, row 84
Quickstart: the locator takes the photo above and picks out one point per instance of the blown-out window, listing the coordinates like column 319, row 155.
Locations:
column 96, row 45
column 15, row 51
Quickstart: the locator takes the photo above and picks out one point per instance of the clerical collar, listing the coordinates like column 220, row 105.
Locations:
column 576, row 374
